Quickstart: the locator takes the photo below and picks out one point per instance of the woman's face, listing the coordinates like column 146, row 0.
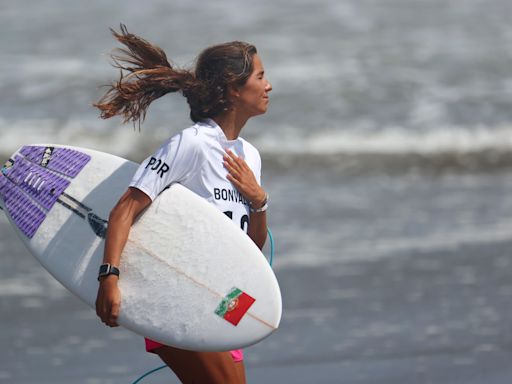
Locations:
column 252, row 97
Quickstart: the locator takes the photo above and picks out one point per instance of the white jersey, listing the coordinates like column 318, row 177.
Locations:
column 194, row 158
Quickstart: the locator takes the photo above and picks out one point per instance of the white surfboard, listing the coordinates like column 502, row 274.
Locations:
column 190, row 278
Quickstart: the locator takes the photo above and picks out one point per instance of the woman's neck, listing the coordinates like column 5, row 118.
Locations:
column 230, row 123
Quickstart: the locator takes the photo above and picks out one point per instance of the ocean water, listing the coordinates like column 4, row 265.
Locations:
column 386, row 153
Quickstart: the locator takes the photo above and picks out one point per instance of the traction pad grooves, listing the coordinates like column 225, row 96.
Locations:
column 29, row 188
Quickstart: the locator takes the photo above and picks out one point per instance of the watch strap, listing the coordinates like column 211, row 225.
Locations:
column 106, row 270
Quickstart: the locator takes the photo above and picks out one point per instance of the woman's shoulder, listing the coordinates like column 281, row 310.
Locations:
column 197, row 137
column 186, row 142
column 189, row 137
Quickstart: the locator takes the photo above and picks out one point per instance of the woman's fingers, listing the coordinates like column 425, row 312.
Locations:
column 242, row 177
column 232, row 169
column 236, row 161
column 236, row 166
column 232, row 165
column 108, row 304
column 108, row 316
column 235, row 182
column 114, row 315
column 232, row 161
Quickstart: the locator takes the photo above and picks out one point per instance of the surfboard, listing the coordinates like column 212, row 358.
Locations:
column 190, row 277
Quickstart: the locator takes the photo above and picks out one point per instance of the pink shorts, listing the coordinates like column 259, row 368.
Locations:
column 237, row 355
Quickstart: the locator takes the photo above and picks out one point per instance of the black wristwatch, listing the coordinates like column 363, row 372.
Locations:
column 107, row 269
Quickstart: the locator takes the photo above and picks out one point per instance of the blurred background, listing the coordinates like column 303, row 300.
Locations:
column 386, row 152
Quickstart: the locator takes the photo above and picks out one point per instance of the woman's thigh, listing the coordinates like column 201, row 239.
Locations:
column 202, row 367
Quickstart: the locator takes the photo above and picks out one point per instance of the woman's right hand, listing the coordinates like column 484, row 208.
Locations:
column 108, row 301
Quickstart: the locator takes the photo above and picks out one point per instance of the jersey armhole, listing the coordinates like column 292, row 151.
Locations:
column 144, row 190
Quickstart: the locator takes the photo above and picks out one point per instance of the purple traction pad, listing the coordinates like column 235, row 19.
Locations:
column 27, row 181
column 63, row 160
column 39, row 183
column 24, row 213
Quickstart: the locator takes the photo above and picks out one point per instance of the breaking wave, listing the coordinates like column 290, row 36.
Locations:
column 387, row 150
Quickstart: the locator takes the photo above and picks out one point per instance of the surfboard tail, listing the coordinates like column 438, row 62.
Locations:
column 34, row 179
column 3, row 181
column 2, row 203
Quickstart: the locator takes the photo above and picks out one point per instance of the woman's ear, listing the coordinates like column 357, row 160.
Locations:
column 233, row 92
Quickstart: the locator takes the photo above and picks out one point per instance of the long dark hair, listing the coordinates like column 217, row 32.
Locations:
column 150, row 76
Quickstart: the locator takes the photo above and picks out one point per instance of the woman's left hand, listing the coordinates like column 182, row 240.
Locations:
column 243, row 179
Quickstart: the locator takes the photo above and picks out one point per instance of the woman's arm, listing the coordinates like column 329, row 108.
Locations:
column 258, row 228
column 243, row 179
column 131, row 204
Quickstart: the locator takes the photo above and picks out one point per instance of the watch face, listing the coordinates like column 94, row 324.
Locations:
column 104, row 269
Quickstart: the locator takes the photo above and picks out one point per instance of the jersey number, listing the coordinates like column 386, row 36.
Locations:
column 244, row 221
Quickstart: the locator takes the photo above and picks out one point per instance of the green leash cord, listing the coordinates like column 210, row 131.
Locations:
column 149, row 373
column 270, row 261
column 271, row 238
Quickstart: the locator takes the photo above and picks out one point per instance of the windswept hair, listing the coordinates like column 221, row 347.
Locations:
column 147, row 75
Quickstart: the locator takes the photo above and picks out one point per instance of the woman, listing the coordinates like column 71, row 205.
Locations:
column 226, row 88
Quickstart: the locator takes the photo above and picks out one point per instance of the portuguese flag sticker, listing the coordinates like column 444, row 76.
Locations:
column 234, row 306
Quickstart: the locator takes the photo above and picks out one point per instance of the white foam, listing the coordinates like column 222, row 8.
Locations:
column 40, row 67
column 123, row 140
column 315, row 254
column 120, row 140
column 390, row 141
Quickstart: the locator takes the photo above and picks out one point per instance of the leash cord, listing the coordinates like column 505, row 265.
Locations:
column 149, row 373
column 271, row 238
